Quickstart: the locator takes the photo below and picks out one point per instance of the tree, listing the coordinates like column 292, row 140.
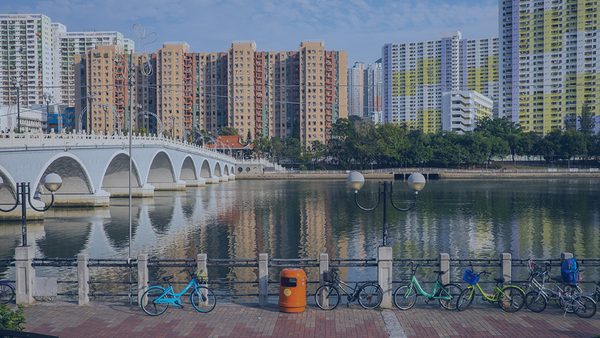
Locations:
column 262, row 145
column 587, row 122
column 228, row 131
column 317, row 151
column 277, row 148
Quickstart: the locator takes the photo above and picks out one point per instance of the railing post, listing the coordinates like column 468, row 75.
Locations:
column 202, row 260
column 263, row 279
column 83, row 278
column 506, row 267
column 323, row 266
column 385, row 274
column 445, row 266
column 143, row 278
column 24, row 274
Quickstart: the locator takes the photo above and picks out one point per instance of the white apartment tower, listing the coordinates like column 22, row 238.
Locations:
column 70, row 44
column 26, row 58
column 417, row 74
column 37, row 57
column 356, row 83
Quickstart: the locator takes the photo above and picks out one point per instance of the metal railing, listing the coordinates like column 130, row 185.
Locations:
column 122, row 278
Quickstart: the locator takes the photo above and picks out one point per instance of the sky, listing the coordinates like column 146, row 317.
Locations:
column 360, row 27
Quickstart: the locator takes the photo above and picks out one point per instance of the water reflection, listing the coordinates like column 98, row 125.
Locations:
column 300, row 219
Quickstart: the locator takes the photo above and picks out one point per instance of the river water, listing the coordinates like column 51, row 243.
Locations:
column 537, row 218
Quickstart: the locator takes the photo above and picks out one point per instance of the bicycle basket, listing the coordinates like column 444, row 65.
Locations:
column 471, row 277
column 329, row 276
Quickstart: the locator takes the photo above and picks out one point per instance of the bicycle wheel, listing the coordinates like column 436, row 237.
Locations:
column 466, row 298
column 7, row 293
column 405, row 297
column 203, row 299
column 511, row 299
column 327, row 297
column 370, row 296
column 148, row 301
column 584, row 306
column 535, row 301
column 449, row 290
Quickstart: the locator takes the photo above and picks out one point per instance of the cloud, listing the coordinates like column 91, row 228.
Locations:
column 360, row 27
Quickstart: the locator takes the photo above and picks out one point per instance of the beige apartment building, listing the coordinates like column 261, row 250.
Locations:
column 174, row 91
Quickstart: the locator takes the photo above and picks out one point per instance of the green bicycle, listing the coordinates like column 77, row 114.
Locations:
column 510, row 298
column 405, row 296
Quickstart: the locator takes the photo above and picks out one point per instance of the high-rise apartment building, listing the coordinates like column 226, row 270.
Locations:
column 549, row 62
column 356, row 95
column 373, row 89
column 323, row 91
column 365, row 89
column 417, row 74
column 283, row 94
column 70, row 44
column 37, row 57
column 103, row 96
column 462, row 109
column 26, row 58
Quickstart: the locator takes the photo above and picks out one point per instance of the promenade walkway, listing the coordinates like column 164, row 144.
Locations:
column 248, row 320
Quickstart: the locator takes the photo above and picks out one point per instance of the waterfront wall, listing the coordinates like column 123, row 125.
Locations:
column 28, row 286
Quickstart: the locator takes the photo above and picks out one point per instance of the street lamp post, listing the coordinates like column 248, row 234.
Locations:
column 356, row 180
column 52, row 182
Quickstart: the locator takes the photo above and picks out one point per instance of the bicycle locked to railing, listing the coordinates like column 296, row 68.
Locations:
column 405, row 296
column 327, row 297
column 568, row 296
column 157, row 299
column 510, row 298
column 7, row 292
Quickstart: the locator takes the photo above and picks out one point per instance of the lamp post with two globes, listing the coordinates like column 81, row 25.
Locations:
column 52, row 182
column 416, row 182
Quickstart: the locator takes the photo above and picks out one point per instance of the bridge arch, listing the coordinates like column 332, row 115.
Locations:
column 116, row 175
column 188, row 169
column 75, row 176
column 161, row 169
column 9, row 186
column 217, row 171
column 161, row 173
column 205, row 171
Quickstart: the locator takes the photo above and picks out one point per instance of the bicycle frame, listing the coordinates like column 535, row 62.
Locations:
column 165, row 299
column 340, row 284
column 414, row 282
column 495, row 295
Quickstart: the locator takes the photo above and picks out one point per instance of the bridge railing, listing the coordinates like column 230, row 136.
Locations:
column 12, row 140
column 253, row 277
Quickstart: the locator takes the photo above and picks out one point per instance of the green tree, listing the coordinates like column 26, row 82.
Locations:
column 262, row 146
column 317, row 151
column 228, row 131
column 277, row 148
column 587, row 122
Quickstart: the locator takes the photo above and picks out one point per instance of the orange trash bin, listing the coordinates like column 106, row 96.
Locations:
column 292, row 290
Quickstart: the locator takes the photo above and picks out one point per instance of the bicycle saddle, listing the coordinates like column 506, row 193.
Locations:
column 499, row 280
column 167, row 278
column 440, row 272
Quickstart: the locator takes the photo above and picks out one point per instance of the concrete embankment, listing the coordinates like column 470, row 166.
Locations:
column 431, row 174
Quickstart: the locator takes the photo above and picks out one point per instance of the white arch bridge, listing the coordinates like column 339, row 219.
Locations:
column 96, row 167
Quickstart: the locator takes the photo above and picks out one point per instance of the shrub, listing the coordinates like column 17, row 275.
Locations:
column 11, row 319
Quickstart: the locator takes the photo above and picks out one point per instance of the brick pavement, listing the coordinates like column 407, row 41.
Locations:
column 247, row 320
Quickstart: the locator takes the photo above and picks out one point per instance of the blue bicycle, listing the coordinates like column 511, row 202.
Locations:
column 157, row 299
